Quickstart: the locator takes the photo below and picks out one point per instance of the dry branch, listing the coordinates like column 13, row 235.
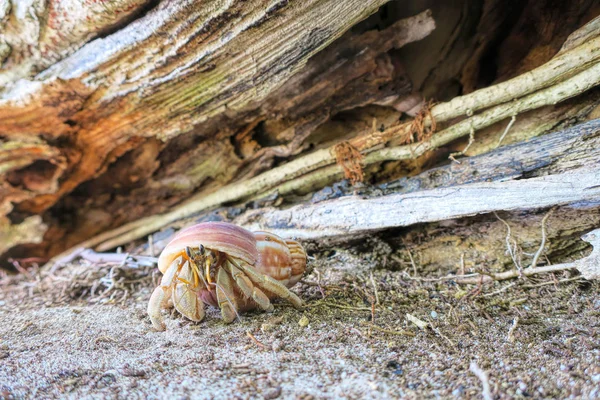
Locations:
column 555, row 71
column 282, row 178
column 552, row 95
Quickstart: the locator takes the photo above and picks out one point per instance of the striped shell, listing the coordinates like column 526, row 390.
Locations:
column 284, row 260
column 221, row 236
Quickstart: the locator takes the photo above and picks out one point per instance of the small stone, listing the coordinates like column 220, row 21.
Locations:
column 434, row 315
column 128, row 371
column 277, row 345
column 272, row 393
column 4, row 354
column 458, row 392
column 303, row 321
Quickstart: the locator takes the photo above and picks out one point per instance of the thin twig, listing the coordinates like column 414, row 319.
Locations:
column 443, row 278
column 543, row 243
column 255, row 340
column 514, row 274
column 510, row 124
column 439, row 333
column 375, row 289
column 463, row 151
column 511, row 331
column 482, row 376
column 510, row 249
column 478, row 278
column 388, row 331
column 412, row 262
column 373, row 312
column 341, row 306
column 500, row 290
column 553, row 282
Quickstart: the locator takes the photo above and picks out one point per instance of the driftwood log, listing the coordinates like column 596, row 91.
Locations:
column 112, row 113
column 564, row 171
column 171, row 102
column 448, row 213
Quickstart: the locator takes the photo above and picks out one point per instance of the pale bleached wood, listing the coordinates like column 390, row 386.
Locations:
column 36, row 34
column 353, row 215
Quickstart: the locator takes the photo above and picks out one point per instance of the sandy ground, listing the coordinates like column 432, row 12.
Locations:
column 78, row 349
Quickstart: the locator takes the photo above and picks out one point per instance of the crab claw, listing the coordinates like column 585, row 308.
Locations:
column 158, row 302
column 161, row 295
column 185, row 298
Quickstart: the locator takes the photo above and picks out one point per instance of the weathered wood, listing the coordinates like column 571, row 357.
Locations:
column 351, row 216
column 496, row 181
column 192, row 73
column 554, row 153
column 192, row 96
column 36, row 34
column 155, row 175
column 479, row 241
column 183, row 62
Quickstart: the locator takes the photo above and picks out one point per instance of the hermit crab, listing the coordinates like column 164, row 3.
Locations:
column 226, row 266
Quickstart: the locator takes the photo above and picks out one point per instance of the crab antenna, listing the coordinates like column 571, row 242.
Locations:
column 197, row 272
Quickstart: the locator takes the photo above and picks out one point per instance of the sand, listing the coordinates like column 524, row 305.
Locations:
column 91, row 347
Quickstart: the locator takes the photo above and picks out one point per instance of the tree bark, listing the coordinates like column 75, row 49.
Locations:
column 149, row 108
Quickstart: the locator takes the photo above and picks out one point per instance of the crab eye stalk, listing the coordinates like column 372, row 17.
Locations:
column 201, row 250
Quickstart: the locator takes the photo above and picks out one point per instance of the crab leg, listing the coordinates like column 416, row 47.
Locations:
column 184, row 298
column 159, row 299
column 158, row 302
column 271, row 285
column 160, row 295
column 225, row 296
column 247, row 288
